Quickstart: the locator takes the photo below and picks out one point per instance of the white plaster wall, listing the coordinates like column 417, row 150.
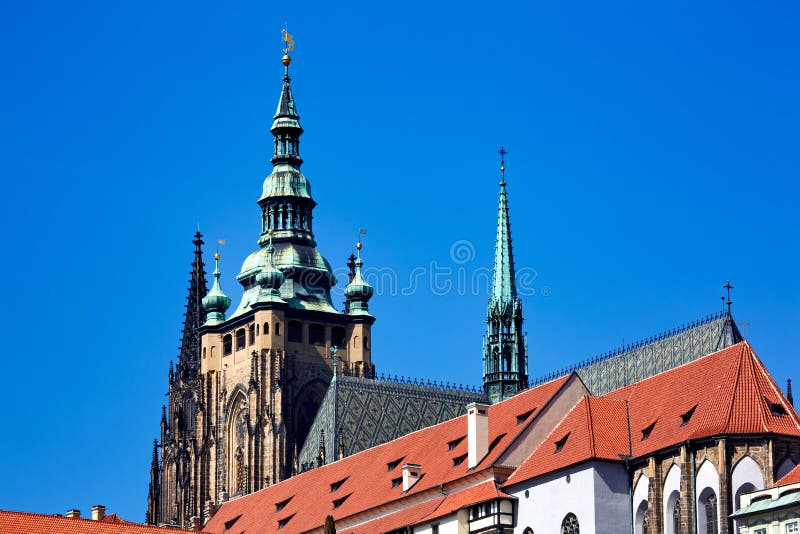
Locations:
column 597, row 494
column 672, row 491
column 707, row 477
column 640, row 494
column 746, row 471
column 611, row 499
column 447, row 525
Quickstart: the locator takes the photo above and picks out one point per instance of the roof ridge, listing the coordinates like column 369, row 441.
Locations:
column 629, row 347
column 590, row 426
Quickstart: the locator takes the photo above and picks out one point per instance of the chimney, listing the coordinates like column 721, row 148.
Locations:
column 74, row 514
column 98, row 512
column 477, row 433
column 411, row 473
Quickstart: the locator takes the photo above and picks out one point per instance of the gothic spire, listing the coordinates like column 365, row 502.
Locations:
column 505, row 360
column 189, row 356
column 286, row 125
column 504, row 287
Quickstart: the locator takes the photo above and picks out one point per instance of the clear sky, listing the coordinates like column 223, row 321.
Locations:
column 653, row 154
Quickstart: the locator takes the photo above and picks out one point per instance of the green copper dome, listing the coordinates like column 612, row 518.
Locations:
column 358, row 291
column 216, row 302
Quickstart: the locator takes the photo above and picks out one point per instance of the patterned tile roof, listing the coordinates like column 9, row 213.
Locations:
column 370, row 479
column 371, row 412
column 792, row 477
column 656, row 354
column 27, row 523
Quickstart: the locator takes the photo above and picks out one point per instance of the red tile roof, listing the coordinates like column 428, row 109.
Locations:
column 595, row 428
column 792, row 477
column 368, row 477
column 727, row 392
column 27, row 523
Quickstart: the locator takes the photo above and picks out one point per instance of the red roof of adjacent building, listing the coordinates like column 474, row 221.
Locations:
column 370, row 478
column 27, row 523
column 792, row 477
column 595, row 428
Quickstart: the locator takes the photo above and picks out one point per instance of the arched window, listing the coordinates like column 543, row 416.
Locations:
column 528, row 530
column 570, row 525
column 316, row 334
column 266, row 329
column 294, row 332
column 256, row 329
column 227, row 345
column 252, row 331
column 642, row 518
column 240, row 339
column 277, row 329
column 355, row 342
column 204, row 353
column 708, row 523
column 676, row 518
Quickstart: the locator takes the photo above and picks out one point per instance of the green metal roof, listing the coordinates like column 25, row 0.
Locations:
column 789, row 498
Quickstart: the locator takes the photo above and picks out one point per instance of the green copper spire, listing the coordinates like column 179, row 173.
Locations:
column 270, row 278
column 287, row 224
column 505, row 369
column 216, row 302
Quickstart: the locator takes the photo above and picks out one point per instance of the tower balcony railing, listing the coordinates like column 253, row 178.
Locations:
column 504, row 338
column 502, row 376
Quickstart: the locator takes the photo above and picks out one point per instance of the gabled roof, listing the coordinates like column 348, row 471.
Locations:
column 27, row 523
column 596, row 428
column 727, row 392
column 792, row 477
column 371, row 478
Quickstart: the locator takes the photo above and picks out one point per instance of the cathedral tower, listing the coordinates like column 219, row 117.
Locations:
column 505, row 360
column 259, row 375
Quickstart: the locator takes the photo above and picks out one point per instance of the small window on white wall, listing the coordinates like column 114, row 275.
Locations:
column 791, row 528
column 570, row 525
column 760, row 531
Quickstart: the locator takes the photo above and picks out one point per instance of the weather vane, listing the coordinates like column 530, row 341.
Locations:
column 286, row 37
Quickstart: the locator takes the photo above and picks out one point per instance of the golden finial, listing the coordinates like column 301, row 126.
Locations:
column 216, row 256
column 286, row 38
column 270, row 232
column 358, row 245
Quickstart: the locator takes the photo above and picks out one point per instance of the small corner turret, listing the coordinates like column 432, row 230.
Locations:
column 216, row 302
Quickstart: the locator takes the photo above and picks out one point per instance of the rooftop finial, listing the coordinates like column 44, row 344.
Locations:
column 502, row 153
column 286, row 37
column 728, row 286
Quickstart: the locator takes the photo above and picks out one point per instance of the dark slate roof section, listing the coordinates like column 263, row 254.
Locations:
column 371, row 412
column 654, row 355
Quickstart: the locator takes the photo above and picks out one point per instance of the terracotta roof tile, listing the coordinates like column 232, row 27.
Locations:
column 594, row 428
column 369, row 480
column 27, row 523
column 792, row 477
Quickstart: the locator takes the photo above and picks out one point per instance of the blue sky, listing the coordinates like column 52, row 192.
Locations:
column 653, row 154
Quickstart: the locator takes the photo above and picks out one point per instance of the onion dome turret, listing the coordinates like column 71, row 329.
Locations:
column 358, row 291
column 216, row 302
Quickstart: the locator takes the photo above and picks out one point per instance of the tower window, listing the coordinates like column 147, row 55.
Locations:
column 252, row 332
column 240, row 339
column 295, row 332
column 266, row 329
column 227, row 345
column 337, row 336
column 316, row 334
column 366, row 343
column 277, row 329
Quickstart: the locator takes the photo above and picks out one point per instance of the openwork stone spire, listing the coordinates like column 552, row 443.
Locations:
column 188, row 358
column 505, row 366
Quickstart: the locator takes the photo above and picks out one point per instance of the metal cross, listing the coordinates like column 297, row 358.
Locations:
column 503, row 153
column 728, row 286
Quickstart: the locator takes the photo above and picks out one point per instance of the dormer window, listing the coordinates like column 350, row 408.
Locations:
column 458, row 460
column 688, row 415
column 776, row 408
column 647, row 430
column 560, row 443
column 453, row 444
column 338, row 502
column 391, row 465
column 521, row 418
column 397, row 481
column 338, row 484
column 281, row 505
column 283, row 522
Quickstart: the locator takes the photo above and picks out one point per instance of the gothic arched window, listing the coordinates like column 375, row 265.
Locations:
column 240, row 339
column 570, row 525
column 266, row 329
column 710, row 505
column 252, row 331
column 227, row 345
